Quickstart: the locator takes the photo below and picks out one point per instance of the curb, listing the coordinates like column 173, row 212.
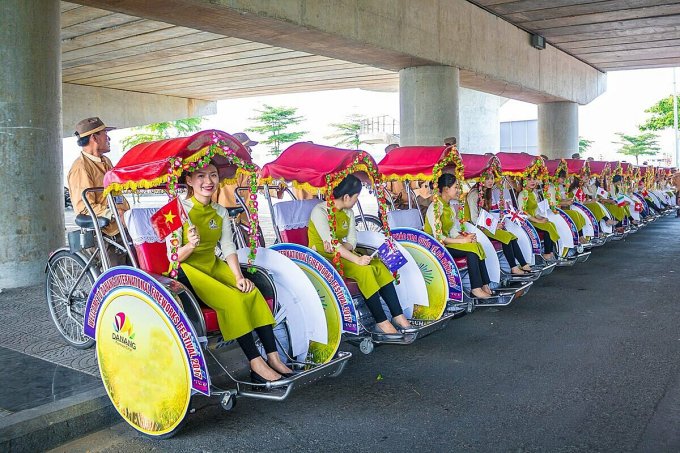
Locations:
column 52, row 424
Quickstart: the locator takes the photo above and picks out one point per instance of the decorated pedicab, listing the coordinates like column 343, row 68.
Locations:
column 564, row 174
column 621, row 188
column 418, row 165
column 157, row 344
column 487, row 212
column 424, row 282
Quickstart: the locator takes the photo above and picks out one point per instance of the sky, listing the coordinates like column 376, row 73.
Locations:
column 619, row 109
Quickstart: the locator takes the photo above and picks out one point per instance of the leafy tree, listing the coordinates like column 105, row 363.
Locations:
column 274, row 122
column 638, row 145
column 348, row 132
column 662, row 115
column 162, row 131
column 584, row 145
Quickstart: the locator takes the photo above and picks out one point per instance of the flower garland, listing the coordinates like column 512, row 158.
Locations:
column 363, row 162
column 452, row 157
column 200, row 160
column 537, row 170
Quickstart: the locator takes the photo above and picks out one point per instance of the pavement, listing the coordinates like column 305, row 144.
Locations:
column 585, row 362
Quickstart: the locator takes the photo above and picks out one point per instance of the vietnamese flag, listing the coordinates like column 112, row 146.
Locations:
column 169, row 218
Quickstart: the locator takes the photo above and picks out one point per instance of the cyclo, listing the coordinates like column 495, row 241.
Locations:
column 568, row 169
column 411, row 165
column 317, row 169
column 157, row 345
column 517, row 168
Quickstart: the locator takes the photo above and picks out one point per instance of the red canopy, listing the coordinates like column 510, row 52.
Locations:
column 475, row 165
column 413, row 162
column 553, row 164
column 148, row 164
column 309, row 164
column 515, row 164
column 598, row 167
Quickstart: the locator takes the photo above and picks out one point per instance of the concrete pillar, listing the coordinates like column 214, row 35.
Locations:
column 428, row 104
column 558, row 129
column 32, row 220
column 480, row 130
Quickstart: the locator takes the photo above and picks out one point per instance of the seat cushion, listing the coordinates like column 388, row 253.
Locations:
column 497, row 245
column 352, row 286
column 152, row 257
column 295, row 236
column 461, row 263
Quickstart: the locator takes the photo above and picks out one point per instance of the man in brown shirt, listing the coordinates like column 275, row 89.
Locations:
column 88, row 171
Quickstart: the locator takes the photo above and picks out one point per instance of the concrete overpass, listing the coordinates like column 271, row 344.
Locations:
column 138, row 62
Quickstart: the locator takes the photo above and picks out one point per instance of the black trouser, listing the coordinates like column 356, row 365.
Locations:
column 548, row 244
column 479, row 276
column 513, row 254
column 389, row 295
column 247, row 342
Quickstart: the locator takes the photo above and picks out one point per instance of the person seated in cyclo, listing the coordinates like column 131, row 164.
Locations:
column 642, row 190
column 241, row 308
column 372, row 277
column 459, row 243
column 561, row 196
column 619, row 212
column 528, row 202
column 88, row 171
column 581, row 192
column 490, row 200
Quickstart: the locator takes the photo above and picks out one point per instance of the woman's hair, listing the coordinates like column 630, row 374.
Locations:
column 445, row 180
column 562, row 174
column 351, row 185
column 488, row 194
column 616, row 178
column 574, row 184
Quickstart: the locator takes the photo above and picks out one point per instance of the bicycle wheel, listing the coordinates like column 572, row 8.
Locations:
column 372, row 222
column 63, row 270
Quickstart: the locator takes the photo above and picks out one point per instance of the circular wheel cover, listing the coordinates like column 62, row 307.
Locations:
column 142, row 362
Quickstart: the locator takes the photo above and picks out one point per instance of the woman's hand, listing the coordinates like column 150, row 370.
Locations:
column 542, row 220
column 244, row 285
column 328, row 247
column 193, row 236
column 363, row 260
column 466, row 238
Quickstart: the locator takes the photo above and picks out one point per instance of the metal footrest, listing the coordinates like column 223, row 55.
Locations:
column 427, row 327
column 279, row 390
column 504, row 296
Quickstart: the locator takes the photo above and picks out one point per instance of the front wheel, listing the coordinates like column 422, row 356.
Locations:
column 373, row 223
column 68, row 312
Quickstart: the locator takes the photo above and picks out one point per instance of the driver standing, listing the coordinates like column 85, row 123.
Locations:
column 88, row 171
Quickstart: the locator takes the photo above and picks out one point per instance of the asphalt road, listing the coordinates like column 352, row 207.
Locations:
column 587, row 361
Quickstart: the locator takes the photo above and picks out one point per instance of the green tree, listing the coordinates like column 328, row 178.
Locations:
column 662, row 115
column 347, row 133
column 162, row 131
column 584, row 145
column 274, row 122
column 638, row 145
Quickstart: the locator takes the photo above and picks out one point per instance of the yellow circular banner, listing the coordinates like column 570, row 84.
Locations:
column 142, row 362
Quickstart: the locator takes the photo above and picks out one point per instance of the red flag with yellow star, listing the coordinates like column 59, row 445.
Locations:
column 168, row 218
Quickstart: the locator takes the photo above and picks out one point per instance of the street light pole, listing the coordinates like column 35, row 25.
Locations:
column 675, row 120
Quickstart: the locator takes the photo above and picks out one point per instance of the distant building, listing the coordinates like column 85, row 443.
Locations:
column 519, row 136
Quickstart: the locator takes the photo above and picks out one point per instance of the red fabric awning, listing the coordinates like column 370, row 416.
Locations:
column 476, row 164
column 309, row 163
column 598, row 167
column 412, row 162
column 514, row 164
column 147, row 164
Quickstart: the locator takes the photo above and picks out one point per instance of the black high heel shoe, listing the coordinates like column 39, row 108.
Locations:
column 257, row 379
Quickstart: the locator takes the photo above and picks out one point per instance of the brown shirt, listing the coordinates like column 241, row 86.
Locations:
column 88, row 171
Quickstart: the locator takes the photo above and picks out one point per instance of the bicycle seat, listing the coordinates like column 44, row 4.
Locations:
column 233, row 212
column 85, row 221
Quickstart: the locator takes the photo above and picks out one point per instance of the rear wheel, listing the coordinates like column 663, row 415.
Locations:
column 68, row 313
column 373, row 223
